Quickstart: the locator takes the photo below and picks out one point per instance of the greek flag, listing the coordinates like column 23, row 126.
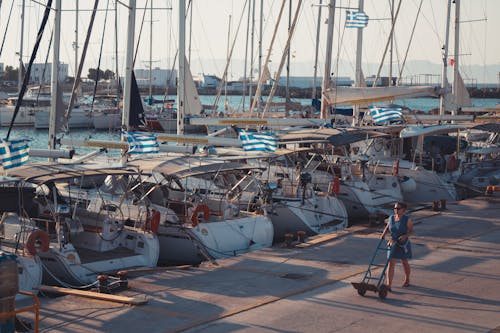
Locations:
column 260, row 141
column 386, row 115
column 142, row 143
column 356, row 19
column 14, row 153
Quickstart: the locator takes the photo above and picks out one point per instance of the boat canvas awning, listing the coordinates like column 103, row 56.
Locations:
column 45, row 172
column 418, row 130
column 336, row 137
column 189, row 167
column 367, row 95
column 488, row 127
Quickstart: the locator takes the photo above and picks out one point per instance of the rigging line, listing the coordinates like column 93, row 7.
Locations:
column 140, row 33
column 6, row 26
column 230, row 55
column 100, row 57
column 76, row 82
column 387, row 45
column 409, row 43
column 28, row 70
column 435, row 24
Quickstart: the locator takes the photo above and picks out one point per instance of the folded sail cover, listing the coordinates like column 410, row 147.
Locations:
column 13, row 153
column 258, row 141
column 356, row 19
column 385, row 115
column 142, row 143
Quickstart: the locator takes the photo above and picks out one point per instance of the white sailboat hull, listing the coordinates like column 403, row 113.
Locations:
column 214, row 239
column 25, row 116
column 104, row 120
column 77, row 120
column 315, row 215
column 79, row 266
column 30, row 274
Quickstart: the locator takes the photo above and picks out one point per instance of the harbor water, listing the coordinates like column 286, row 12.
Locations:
column 40, row 139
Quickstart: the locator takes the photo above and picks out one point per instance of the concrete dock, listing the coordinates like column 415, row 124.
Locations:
column 455, row 286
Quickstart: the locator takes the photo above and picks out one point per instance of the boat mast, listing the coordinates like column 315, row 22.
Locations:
column 318, row 29
column 359, row 74
column 76, row 37
column 393, row 22
column 444, row 80
column 21, row 41
column 181, row 98
column 250, row 90
column 287, row 88
column 129, row 63
column 328, row 59
column 457, row 48
column 261, row 29
column 151, row 56
column 55, row 75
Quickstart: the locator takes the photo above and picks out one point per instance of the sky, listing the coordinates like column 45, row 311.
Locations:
column 214, row 27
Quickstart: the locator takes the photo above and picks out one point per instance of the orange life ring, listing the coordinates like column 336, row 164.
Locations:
column 153, row 222
column 200, row 209
column 39, row 236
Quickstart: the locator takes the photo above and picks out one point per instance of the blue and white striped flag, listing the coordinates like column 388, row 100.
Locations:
column 142, row 143
column 258, row 141
column 386, row 115
column 356, row 19
column 14, row 153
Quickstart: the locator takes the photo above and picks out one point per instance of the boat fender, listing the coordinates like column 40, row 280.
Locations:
column 37, row 237
column 395, row 168
column 196, row 214
column 408, row 184
column 335, row 186
column 153, row 222
column 451, row 163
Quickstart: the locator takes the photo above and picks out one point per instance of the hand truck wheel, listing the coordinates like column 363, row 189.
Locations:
column 382, row 292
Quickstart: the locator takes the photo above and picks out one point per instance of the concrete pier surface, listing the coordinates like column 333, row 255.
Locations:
column 455, row 286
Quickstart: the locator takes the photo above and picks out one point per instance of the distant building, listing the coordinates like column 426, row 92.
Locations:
column 41, row 73
column 159, row 78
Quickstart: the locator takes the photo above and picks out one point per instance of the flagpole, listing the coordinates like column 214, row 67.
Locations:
column 328, row 59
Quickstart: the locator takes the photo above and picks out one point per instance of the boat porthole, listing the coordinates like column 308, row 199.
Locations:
column 394, row 184
column 204, row 231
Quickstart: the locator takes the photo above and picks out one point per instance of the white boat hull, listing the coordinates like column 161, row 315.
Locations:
column 79, row 266
column 316, row 215
column 77, row 120
column 214, row 239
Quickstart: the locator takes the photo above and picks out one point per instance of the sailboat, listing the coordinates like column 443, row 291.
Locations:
column 207, row 221
column 80, row 235
column 13, row 234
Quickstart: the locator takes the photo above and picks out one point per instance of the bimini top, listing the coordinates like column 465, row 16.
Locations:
column 488, row 127
column 188, row 166
column 40, row 173
column 418, row 130
column 336, row 137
